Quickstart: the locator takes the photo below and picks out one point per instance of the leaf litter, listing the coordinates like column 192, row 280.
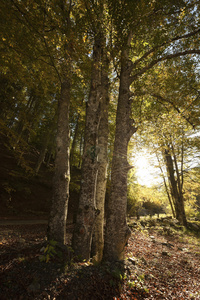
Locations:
column 157, row 266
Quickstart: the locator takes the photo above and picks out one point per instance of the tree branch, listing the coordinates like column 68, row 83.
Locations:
column 41, row 35
column 165, row 44
column 174, row 106
column 167, row 57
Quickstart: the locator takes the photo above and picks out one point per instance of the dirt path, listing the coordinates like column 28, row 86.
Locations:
column 22, row 222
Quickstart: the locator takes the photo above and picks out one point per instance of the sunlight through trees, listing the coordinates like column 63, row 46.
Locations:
column 103, row 79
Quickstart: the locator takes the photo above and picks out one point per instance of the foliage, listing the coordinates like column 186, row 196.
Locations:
column 33, row 44
column 49, row 251
column 144, row 200
column 38, row 42
column 133, row 200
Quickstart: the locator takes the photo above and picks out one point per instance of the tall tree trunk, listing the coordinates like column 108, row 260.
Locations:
column 58, row 213
column 23, row 121
column 168, row 196
column 82, row 236
column 73, row 147
column 177, row 199
column 49, row 156
column 42, row 152
column 166, row 187
column 179, row 181
column 117, row 231
column 98, row 237
column 81, row 148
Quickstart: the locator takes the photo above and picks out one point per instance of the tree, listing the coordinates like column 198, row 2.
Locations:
column 117, row 231
column 176, row 186
column 32, row 97
column 48, row 43
column 58, row 214
column 94, row 162
column 82, row 236
column 169, row 99
column 47, row 56
column 152, row 47
column 103, row 133
column 171, row 143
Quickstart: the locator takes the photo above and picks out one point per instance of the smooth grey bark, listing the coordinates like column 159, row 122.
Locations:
column 58, row 214
column 82, row 236
column 98, row 236
column 117, row 231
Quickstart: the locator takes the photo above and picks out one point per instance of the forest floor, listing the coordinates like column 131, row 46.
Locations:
column 162, row 262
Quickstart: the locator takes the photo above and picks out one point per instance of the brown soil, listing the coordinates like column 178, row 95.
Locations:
column 157, row 266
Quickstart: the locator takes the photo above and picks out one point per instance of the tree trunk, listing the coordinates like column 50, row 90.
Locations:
column 82, row 236
column 166, row 187
column 58, row 213
column 177, row 198
column 73, row 147
column 42, row 152
column 179, row 182
column 117, row 231
column 81, row 148
column 98, row 237
column 49, row 156
column 23, row 122
column 168, row 196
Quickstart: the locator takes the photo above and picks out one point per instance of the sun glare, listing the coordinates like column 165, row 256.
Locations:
column 144, row 171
